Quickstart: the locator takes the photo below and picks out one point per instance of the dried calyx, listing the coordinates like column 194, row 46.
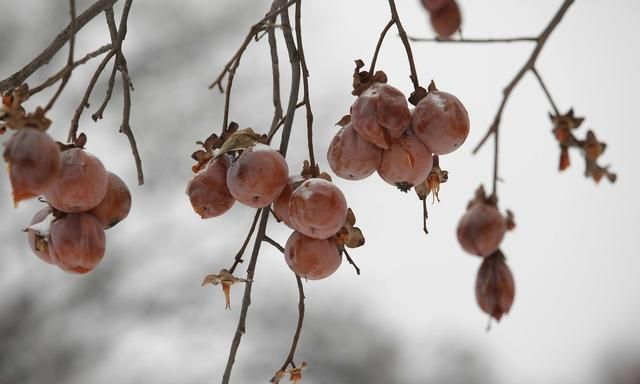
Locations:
column 563, row 130
column 232, row 141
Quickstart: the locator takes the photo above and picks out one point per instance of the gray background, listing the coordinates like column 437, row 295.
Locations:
column 411, row 316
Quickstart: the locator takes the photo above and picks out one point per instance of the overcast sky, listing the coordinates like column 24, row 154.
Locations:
column 141, row 316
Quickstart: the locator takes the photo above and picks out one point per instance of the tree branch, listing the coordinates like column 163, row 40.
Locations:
column 238, row 258
column 60, row 40
column 246, row 299
column 372, row 68
column 72, row 43
column 528, row 66
column 405, row 42
column 305, row 86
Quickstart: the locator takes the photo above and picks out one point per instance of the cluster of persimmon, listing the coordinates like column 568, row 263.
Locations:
column 480, row 232
column 591, row 148
column 402, row 144
column 83, row 199
column 239, row 166
column 445, row 16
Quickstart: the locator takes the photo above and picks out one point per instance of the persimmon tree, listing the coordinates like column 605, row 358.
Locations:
column 403, row 137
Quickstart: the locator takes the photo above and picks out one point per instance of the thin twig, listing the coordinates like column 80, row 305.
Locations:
column 117, row 37
column 296, row 335
column 72, row 43
column 425, row 216
column 472, row 41
column 246, row 299
column 305, row 85
column 63, row 72
column 58, row 42
column 275, row 71
column 253, row 31
column 528, row 65
column 545, row 90
column 73, row 130
column 274, row 243
column 280, row 123
column 379, row 44
column 294, row 60
column 405, row 42
column 350, row 260
column 238, row 258
column 542, row 39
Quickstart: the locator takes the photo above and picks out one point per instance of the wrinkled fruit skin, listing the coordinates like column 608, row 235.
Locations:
column 77, row 242
column 115, row 205
column 34, row 163
column 481, row 229
column 406, row 163
column 257, row 177
column 495, row 288
column 447, row 20
column 435, row 5
column 281, row 205
column 35, row 240
column 81, row 185
column 208, row 190
column 380, row 114
column 310, row 258
column 441, row 122
column 317, row 209
column 352, row 157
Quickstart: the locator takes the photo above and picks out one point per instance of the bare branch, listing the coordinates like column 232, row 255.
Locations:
column 274, row 243
column 294, row 59
column 296, row 335
column 405, row 42
column 63, row 72
column 246, row 299
column 305, row 86
column 72, row 43
column 350, row 260
column 528, row 66
column 545, row 90
column 60, row 40
column 238, row 258
column 379, row 44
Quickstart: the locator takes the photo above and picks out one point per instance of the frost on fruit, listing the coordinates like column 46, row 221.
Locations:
column 317, row 208
column 440, row 121
column 406, row 163
column 257, row 176
column 312, row 259
column 380, row 114
column 82, row 183
column 208, row 191
column 38, row 233
column 77, row 242
column 351, row 157
column 226, row 280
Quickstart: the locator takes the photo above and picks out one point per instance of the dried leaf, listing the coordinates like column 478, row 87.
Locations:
column 238, row 141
